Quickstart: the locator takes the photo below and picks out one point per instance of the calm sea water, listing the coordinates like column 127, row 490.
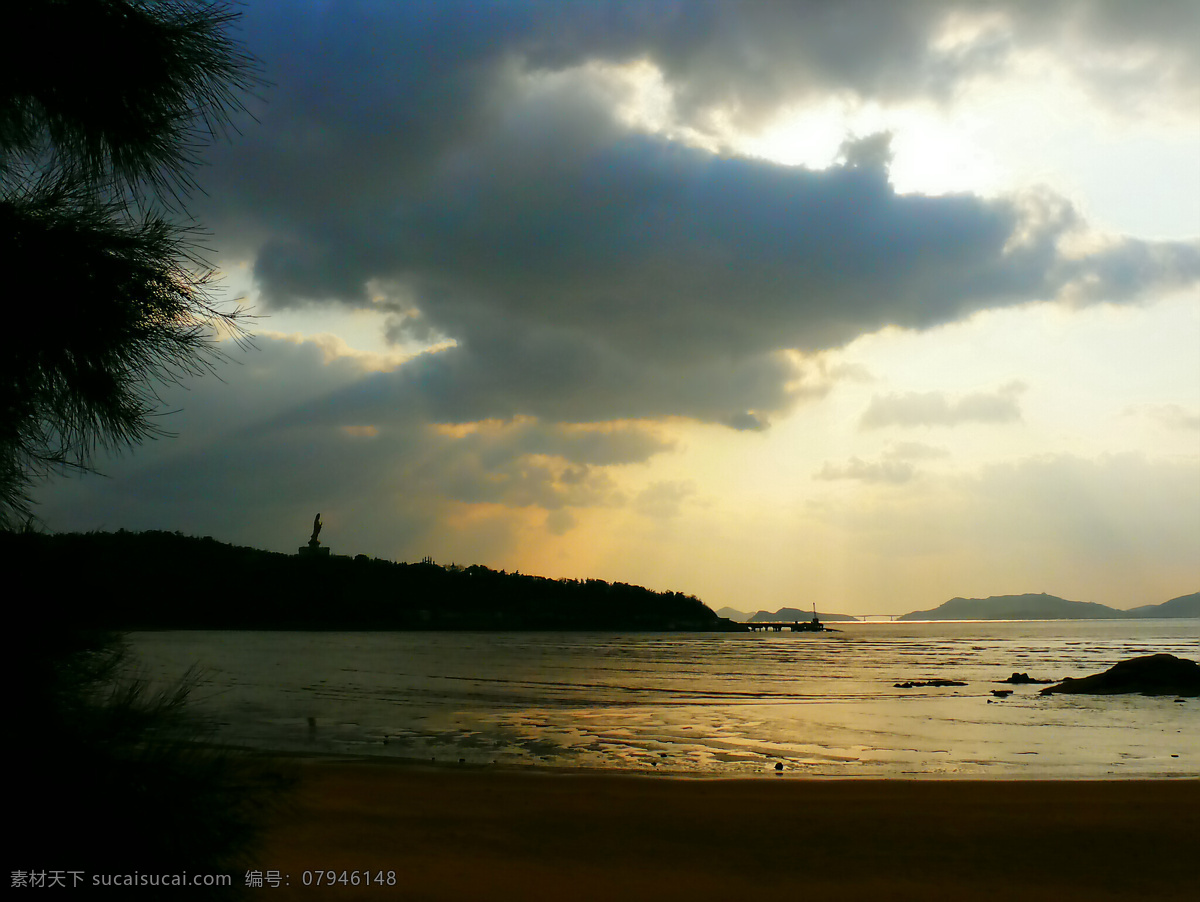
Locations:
column 718, row 704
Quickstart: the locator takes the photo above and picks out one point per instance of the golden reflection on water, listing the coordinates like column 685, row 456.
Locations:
column 702, row 703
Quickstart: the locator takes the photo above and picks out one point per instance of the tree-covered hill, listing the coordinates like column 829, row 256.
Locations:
column 162, row 580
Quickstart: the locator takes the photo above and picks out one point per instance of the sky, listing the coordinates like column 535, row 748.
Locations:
column 862, row 305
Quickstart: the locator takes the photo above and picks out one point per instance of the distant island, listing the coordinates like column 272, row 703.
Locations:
column 1000, row 607
column 783, row 615
column 162, row 580
column 786, row 614
column 1051, row 607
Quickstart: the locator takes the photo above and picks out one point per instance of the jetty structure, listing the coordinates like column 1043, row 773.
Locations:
column 795, row 626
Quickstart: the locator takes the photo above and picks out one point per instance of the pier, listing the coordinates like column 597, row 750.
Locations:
column 796, row 626
column 809, row 626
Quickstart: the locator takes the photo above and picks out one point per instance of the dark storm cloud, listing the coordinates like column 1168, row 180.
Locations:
column 443, row 160
column 563, row 376
column 673, row 252
column 748, row 57
column 1124, row 53
column 375, row 92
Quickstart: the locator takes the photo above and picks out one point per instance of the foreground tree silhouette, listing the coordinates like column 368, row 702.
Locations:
column 106, row 295
column 109, row 777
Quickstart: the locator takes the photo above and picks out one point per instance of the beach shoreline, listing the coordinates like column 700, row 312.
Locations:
column 462, row 832
column 297, row 760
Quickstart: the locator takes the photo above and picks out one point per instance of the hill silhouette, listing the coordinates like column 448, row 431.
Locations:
column 786, row 614
column 1183, row 606
column 162, row 580
column 1050, row 607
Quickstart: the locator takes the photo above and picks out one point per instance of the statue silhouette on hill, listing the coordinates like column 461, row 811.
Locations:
column 313, row 548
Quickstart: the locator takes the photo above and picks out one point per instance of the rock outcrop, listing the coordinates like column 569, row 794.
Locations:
column 1160, row 674
column 1021, row 679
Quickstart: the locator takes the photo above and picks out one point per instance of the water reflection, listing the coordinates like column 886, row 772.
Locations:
column 701, row 703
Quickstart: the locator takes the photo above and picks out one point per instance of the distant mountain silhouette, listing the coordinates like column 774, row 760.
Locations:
column 733, row 614
column 162, row 580
column 999, row 607
column 1183, row 606
column 792, row 614
column 1049, row 607
column 783, row 614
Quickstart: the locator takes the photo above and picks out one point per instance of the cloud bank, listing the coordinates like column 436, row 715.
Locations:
column 469, row 171
column 935, row 409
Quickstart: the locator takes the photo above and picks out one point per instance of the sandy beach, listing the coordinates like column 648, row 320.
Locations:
column 479, row 834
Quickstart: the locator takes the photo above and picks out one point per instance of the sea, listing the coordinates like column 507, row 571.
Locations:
column 700, row 704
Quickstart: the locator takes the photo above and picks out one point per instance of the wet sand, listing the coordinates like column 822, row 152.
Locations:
column 464, row 834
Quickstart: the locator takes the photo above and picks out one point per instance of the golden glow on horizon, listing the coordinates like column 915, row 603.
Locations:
column 492, row 426
column 360, row 431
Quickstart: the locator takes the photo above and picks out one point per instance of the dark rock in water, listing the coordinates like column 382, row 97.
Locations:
column 1021, row 679
column 1160, row 674
column 1002, row 693
column 920, row 684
